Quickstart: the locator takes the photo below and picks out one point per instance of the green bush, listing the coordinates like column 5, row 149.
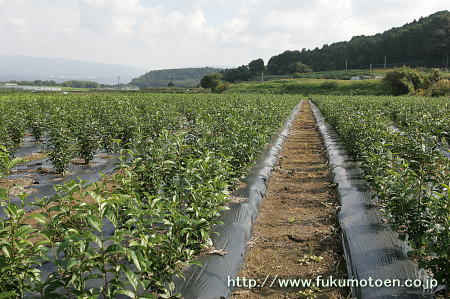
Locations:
column 222, row 87
column 409, row 81
column 211, row 80
column 298, row 68
column 440, row 88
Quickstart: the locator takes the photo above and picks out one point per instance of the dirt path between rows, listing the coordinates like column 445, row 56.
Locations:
column 296, row 234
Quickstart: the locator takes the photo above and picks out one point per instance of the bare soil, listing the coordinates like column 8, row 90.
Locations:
column 296, row 234
column 16, row 186
column 34, row 156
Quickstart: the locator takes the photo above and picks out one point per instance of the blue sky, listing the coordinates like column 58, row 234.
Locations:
column 155, row 34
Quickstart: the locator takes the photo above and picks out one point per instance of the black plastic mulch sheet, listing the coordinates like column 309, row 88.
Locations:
column 211, row 279
column 44, row 181
column 372, row 250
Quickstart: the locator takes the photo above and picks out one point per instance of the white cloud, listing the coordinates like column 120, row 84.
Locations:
column 18, row 22
column 177, row 33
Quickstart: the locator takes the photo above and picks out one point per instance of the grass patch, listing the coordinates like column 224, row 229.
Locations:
column 307, row 86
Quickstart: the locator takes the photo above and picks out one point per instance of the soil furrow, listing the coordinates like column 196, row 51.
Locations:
column 296, row 234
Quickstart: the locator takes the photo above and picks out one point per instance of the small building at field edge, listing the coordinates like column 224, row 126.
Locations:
column 37, row 88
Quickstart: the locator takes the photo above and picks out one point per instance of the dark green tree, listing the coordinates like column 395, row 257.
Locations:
column 80, row 84
column 211, row 80
column 256, row 66
column 241, row 73
column 298, row 67
column 181, row 77
column 279, row 64
column 423, row 42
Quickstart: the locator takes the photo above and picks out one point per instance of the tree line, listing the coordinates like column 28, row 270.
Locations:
column 174, row 77
column 426, row 42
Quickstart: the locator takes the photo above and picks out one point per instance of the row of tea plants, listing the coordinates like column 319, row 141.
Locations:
column 409, row 174
column 79, row 126
column 422, row 114
column 130, row 233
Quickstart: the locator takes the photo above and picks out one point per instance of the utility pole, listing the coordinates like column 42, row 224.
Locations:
column 118, row 81
column 262, row 76
column 384, row 61
column 345, row 64
column 370, row 66
column 446, row 64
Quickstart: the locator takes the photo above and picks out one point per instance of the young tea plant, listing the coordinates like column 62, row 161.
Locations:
column 60, row 148
column 20, row 253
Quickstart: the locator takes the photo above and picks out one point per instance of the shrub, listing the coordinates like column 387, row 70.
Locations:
column 211, row 80
column 404, row 80
column 214, row 82
column 407, row 80
column 222, row 87
column 440, row 88
column 298, row 68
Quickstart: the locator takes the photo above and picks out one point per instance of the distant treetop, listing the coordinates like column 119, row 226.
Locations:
column 180, row 77
column 425, row 42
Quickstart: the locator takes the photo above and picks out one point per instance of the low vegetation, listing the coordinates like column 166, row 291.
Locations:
column 131, row 232
column 395, row 82
column 410, row 81
column 407, row 170
column 214, row 82
column 313, row 86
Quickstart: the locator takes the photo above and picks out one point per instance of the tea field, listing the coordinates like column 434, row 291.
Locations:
column 129, row 233
column 181, row 155
column 401, row 143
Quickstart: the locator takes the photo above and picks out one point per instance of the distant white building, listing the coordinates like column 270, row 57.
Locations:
column 127, row 87
column 47, row 88
column 365, row 77
column 36, row 88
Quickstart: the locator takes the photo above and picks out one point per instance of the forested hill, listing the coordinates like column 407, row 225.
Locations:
column 180, row 77
column 425, row 42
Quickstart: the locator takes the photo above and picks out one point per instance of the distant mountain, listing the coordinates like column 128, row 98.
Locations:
column 423, row 42
column 180, row 77
column 60, row 70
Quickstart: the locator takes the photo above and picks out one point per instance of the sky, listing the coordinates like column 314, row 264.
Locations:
column 160, row 34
